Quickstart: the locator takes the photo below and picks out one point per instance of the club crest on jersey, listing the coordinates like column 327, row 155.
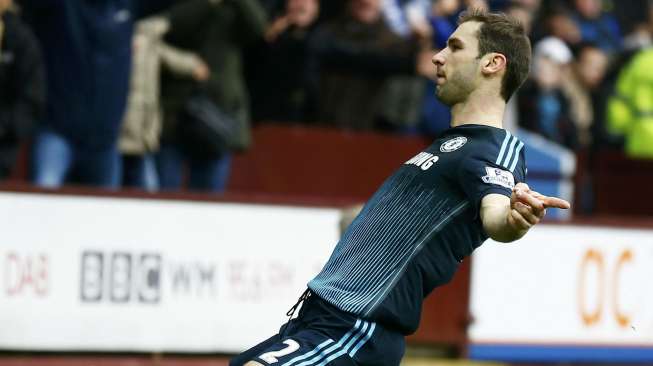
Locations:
column 453, row 144
column 499, row 177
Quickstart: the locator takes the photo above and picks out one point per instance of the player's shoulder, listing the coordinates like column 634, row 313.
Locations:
column 495, row 146
column 507, row 150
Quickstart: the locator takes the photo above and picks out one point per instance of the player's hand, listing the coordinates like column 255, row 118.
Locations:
column 528, row 207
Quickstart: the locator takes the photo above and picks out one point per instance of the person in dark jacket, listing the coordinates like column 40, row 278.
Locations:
column 282, row 87
column 543, row 105
column 357, row 57
column 217, row 31
column 22, row 85
column 87, row 50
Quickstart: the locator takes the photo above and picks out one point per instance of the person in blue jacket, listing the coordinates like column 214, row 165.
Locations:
column 87, row 50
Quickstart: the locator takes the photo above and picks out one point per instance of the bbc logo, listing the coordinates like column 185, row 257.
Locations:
column 120, row 277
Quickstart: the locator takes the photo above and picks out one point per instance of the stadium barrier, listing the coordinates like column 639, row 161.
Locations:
column 565, row 293
column 120, row 274
column 111, row 272
column 116, row 272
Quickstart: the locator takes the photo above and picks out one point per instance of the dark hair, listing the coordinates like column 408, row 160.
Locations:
column 577, row 49
column 503, row 34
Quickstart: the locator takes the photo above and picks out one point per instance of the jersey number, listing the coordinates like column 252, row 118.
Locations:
column 271, row 357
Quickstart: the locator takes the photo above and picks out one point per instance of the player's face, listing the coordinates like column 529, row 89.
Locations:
column 458, row 65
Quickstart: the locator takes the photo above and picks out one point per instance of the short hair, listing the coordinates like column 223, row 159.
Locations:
column 503, row 34
column 578, row 49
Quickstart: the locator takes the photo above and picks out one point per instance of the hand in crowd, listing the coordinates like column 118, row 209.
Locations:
column 299, row 13
column 201, row 71
column 422, row 32
column 420, row 27
column 277, row 27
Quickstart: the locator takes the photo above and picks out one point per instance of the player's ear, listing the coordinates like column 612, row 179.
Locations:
column 493, row 62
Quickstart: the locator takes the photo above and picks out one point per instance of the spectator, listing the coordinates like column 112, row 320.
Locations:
column 217, row 31
column 639, row 34
column 631, row 14
column 630, row 109
column 639, row 38
column 283, row 84
column 403, row 94
column 435, row 115
column 22, row 85
column 332, row 9
column 271, row 7
column 559, row 24
column 404, row 16
column 597, row 26
column 140, row 132
column 87, row 50
column 476, row 4
column 604, row 136
column 543, row 107
column 442, row 21
column 532, row 5
column 358, row 54
column 584, row 89
column 523, row 13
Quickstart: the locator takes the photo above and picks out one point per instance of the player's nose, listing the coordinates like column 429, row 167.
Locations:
column 438, row 58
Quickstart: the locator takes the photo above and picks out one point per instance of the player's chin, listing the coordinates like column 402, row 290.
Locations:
column 439, row 92
column 444, row 97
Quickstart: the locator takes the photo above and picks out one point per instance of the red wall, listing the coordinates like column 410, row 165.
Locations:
column 320, row 162
column 614, row 176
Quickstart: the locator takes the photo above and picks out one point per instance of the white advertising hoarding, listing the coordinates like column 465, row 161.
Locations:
column 564, row 293
column 88, row 273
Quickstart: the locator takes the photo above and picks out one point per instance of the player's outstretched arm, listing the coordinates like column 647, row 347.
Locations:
column 508, row 219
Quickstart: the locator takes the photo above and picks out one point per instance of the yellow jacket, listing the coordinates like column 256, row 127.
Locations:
column 630, row 109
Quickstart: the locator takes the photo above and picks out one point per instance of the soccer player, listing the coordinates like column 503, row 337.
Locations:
column 430, row 214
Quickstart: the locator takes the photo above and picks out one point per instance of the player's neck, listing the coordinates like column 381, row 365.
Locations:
column 480, row 110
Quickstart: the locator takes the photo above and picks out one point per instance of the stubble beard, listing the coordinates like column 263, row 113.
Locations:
column 456, row 88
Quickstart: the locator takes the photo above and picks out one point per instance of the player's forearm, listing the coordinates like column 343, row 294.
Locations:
column 498, row 226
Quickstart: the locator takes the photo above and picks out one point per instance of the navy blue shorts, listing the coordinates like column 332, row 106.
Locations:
column 324, row 335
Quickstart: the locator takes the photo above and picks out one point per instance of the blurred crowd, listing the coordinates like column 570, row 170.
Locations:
column 160, row 94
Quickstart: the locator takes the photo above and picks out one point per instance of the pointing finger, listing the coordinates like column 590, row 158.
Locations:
column 550, row 201
column 555, row 202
